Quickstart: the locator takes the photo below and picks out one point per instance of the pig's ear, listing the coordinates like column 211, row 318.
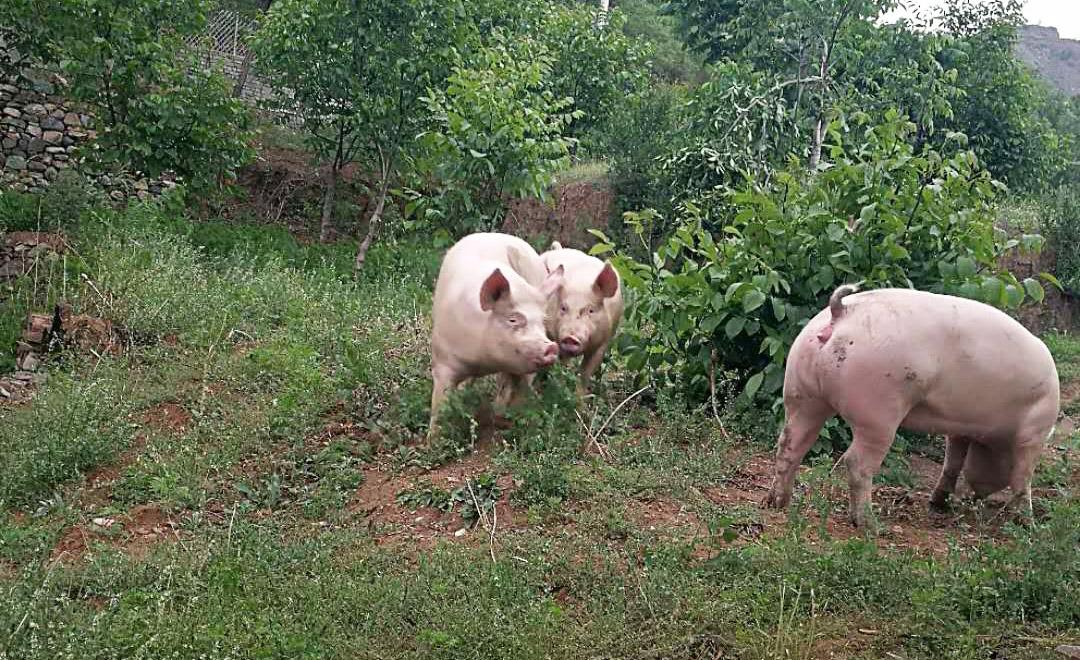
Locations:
column 553, row 281
column 607, row 282
column 495, row 288
column 555, row 245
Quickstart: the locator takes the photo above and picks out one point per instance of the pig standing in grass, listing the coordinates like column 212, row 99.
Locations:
column 488, row 314
column 939, row 364
column 590, row 306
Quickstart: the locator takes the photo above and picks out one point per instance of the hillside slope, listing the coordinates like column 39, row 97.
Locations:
column 1056, row 59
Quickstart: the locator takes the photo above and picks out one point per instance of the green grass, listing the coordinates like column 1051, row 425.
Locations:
column 264, row 343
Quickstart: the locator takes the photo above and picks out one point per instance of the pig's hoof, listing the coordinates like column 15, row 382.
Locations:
column 940, row 505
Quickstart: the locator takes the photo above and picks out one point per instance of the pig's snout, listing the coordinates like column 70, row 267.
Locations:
column 548, row 357
column 570, row 346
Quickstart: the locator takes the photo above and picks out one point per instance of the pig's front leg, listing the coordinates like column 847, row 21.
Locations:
column 443, row 379
column 590, row 362
column 956, row 451
column 512, row 389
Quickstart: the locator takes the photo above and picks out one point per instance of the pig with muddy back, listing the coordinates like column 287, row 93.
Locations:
column 900, row 358
column 491, row 300
column 589, row 306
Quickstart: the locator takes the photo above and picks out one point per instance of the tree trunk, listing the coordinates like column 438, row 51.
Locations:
column 373, row 226
column 326, row 226
column 241, row 79
column 601, row 16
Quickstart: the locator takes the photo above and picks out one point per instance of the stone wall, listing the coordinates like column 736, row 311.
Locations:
column 38, row 135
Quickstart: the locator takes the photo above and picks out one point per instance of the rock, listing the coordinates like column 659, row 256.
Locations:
column 11, row 121
column 9, row 89
column 19, row 187
column 86, row 120
column 53, row 137
column 67, row 141
column 36, row 146
column 34, row 130
column 29, row 362
column 12, row 112
column 1069, row 651
column 14, row 162
column 9, row 143
column 104, row 522
column 37, row 166
column 55, row 111
column 51, row 173
column 461, row 532
column 35, row 109
column 55, row 150
column 52, row 124
column 117, row 195
column 141, row 185
column 72, row 119
column 61, row 157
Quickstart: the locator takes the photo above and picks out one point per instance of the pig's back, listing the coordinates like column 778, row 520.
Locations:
column 962, row 364
column 472, row 259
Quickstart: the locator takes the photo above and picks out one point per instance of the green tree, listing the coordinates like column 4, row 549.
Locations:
column 157, row 110
column 499, row 131
column 358, row 78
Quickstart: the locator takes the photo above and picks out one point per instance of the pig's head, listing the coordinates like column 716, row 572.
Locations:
column 581, row 310
column 516, row 321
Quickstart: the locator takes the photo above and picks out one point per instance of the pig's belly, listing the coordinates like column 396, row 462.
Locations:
column 986, row 420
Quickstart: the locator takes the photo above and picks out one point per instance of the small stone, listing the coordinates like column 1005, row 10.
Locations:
column 4, row 393
column 104, row 522
column 9, row 89
column 117, row 195
column 24, row 144
column 14, row 162
column 142, row 195
column 51, row 173
column 36, row 146
column 29, row 362
column 53, row 137
column 12, row 112
column 61, row 157
column 35, row 109
column 52, row 124
column 17, row 123
column 141, row 185
column 72, row 119
column 34, row 130
column 86, row 120
column 37, row 166
column 50, row 106
column 19, row 187
column 55, row 150
column 1069, row 651
column 67, row 141
column 461, row 532
column 8, row 143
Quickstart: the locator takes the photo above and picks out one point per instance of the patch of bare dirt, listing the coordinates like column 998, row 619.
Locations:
column 168, row 417
column 392, row 523
column 574, row 208
column 906, row 522
column 135, row 533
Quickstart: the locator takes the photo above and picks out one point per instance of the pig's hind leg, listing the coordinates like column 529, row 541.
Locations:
column 1029, row 447
column 956, row 451
column 443, row 380
column 804, row 419
column 863, row 460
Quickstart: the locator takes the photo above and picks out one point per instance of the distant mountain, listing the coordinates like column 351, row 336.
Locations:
column 1056, row 59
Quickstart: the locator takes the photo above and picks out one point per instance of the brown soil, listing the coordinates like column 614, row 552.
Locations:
column 376, row 502
column 574, row 208
column 134, row 533
column 167, row 417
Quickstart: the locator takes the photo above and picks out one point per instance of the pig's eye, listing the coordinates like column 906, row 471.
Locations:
column 563, row 308
column 515, row 320
column 592, row 310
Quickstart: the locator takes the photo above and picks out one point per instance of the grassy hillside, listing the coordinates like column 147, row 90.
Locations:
column 243, row 478
column 1056, row 59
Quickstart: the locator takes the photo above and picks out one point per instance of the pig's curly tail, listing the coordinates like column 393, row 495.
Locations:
column 836, row 305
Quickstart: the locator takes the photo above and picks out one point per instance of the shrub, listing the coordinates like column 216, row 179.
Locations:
column 746, row 267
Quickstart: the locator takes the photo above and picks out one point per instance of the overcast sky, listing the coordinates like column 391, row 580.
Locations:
column 1062, row 14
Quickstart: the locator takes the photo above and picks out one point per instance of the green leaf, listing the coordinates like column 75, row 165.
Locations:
column 1013, row 295
column 966, row 267
column 1034, row 289
column 752, row 300
column 992, row 291
column 754, row 384
column 601, row 248
column 1052, row 280
column 734, row 326
column 779, row 309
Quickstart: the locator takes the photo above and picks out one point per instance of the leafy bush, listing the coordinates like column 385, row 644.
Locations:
column 499, row 133
column 1061, row 222
column 746, row 267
